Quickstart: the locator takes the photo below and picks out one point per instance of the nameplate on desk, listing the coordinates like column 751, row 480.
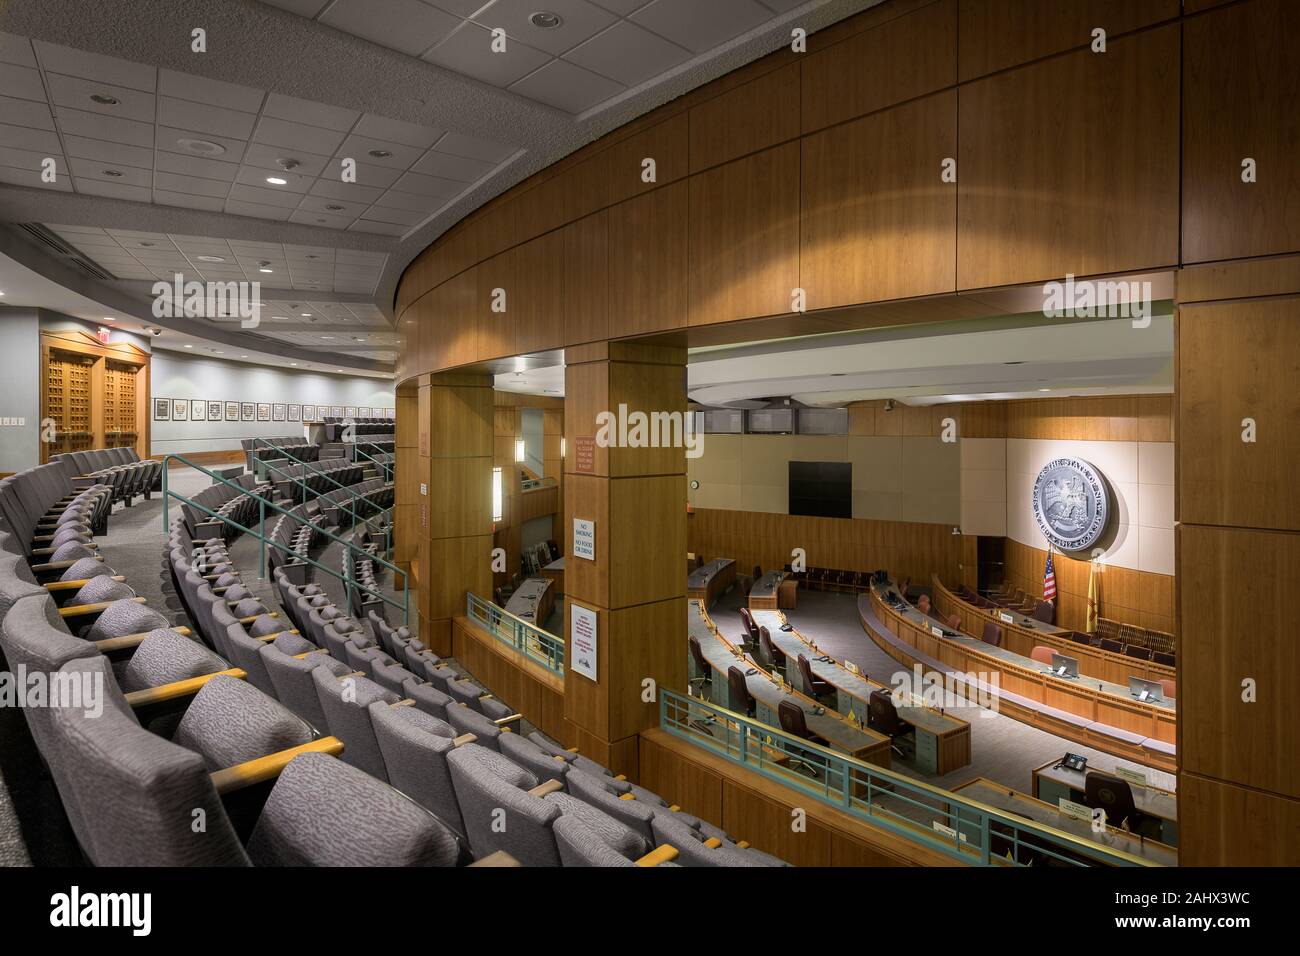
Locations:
column 936, row 631
column 1132, row 776
column 1077, row 811
column 1006, row 618
column 949, row 832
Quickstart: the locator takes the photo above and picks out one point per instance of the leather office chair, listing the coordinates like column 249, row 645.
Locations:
column 758, row 573
column 751, row 630
column 793, row 722
column 739, row 698
column 1113, row 795
column 902, row 588
column 1042, row 654
column 812, row 684
column 702, row 665
column 882, row 716
column 992, row 634
column 1169, row 688
column 1109, row 645
column 1160, row 657
column 1137, row 652
column 1045, row 612
column 1079, row 637
column 774, row 655
column 954, row 622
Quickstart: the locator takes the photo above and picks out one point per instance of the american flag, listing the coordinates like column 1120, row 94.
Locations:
column 1049, row 580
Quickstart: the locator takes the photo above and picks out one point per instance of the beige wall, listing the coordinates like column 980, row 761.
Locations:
column 894, row 478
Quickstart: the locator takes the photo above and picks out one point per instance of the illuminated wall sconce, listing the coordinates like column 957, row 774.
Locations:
column 561, row 446
column 521, row 450
column 496, row 495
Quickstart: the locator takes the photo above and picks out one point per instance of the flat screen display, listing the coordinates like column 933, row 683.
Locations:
column 822, row 489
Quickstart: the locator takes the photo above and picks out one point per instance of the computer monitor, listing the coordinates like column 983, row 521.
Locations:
column 1063, row 666
column 1145, row 689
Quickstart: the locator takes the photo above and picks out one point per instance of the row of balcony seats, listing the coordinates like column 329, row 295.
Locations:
column 336, row 429
column 120, row 468
column 360, row 499
column 152, row 729
column 298, row 483
column 359, row 571
column 237, row 500
column 293, row 536
column 1013, row 599
column 52, row 515
column 268, row 449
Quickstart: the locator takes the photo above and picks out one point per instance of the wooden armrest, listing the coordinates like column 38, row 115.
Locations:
column 464, row 739
column 318, row 650
column 74, row 585
column 178, row 689
column 621, row 777
column 110, row 644
column 713, row 843
column 627, row 796
column 570, row 750
column 499, row 858
column 258, row 769
column 404, row 702
column 550, row 786
column 660, row 854
column 508, row 720
column 60, row 565
column 78, row 610
column 675, row 808
column 742, row 845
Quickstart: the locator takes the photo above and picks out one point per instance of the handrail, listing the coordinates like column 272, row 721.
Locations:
column 303, row 480
column 385, row 465
column 954, row 824
column 537, row 645
column 263, row 505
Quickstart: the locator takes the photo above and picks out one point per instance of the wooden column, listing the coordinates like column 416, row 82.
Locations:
column 407, row 503
column 636, row 585
column 1238, row 562
column 506, row 431
column 455, row 413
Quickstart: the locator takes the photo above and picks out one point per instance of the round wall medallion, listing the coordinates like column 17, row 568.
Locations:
column 1072, row 503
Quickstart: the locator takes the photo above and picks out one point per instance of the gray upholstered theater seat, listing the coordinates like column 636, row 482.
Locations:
column 390, row 676
column 583, row 844
column 427, row 698
column 466, row 692
column 364, row 658
column 585, row 764
column 489, row 786
column 594, row 791
column 164, row 657
column 230, row 721
column 415, row 747
column 532, row 758
column 291, row 677
column 689, row 843
column 99, row 589
column 125, row 617
column 369, row 824
column 467, row 721
column 345, row 702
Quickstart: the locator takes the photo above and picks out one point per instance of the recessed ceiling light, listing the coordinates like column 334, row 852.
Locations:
column 276, row 181
column 1044, row 389
column 264, row 269
column 210, row 258
column 306, row 315
column 287, row 164
column 103, row 99
column 293, row 363
column 112, row 172
column 204, row 147
column 243, row 356
column 147, row 245
column 333, row 207
column 545, row 20
column 381, row 153
column 107, row 318
column 189, row 346
column 311, row 257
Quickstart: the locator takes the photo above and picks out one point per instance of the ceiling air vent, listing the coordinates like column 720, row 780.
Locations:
column 47, row 238
column 85, row 265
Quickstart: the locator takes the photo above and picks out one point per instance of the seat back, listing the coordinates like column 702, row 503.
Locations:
column 773, row 653
column 414, row 746
column 1169, row 688
column 992, row 634
column 491, row 791
column 697, row 654
column 883, row 715
column 1111, row 793
column 346, row 704
column 294, row 687
column 739, row 698
column 1042, row 654
column 1045, row 611
column 792, row 719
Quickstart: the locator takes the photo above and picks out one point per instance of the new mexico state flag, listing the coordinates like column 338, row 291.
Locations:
column 1094, row 598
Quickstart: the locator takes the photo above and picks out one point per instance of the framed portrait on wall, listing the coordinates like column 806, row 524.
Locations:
column 198, row 410
column 180, row 409
column 309, row 413
column 232, row 411
column 277, row 412
column 390, row 413
column 247, row 412
column 263, row 411
column 214, row 411
column 350, row 411
column 162, row 409
column 295, row 413
column 336, row 411
column 363, row 411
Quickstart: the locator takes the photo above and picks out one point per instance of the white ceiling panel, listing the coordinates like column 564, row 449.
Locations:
column 396, row 131
column 447, row 166
column 628, row 53
column 408, row 26
column 200, row 166
column 378, row 228
column 96, row 66
column 313, row 114
column 428, row 186
column 193, row 185
column 701, row 26
column 469, row 51
column 293, row 183
column 567, row 87
column 200, row 89
column 22, row 82
column 291, row 135
column 395, row 199
column 129, row 175
column 76, row 93
column 169, row 139
column 363, row 149
column 185, row 114
column 23, row 177
column 579, row 20
column 113, row 190
column 110, row 128
column 21, row 137
column 26, row 113
column 348, row 192
column 268, row 158
column 256, row 210
column 16, row 49
column 265, row 196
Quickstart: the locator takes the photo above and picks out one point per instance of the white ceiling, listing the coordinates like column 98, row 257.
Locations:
column 600, row 48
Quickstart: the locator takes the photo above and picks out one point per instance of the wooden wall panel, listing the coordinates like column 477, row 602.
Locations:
column 996, row 34
column 877, row 221
column 1080, row 418
column 1234, row 826
column 586, row 279
column 1045, row 192
column 1236, row 589
column 898, row 60
column 1241, row 86
column 647, row 262
column 497, row 330
column 749, row 118
column 1233, row 360
column 666, row 143
column 537, row 312
column 744, row 237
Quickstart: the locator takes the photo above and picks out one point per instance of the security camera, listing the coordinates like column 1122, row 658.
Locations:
column 153, row 330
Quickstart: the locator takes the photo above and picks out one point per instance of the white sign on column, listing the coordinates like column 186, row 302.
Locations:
column 584, row 539
column 582, row 641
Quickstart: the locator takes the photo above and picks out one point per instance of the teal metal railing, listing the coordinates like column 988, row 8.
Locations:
column 301, row 480
column 964, row 829
column 537, row 645
column 383, row 468
column 266, row 507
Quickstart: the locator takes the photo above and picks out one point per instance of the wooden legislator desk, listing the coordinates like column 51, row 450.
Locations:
column 533, row 601
column 1002, row 798
column 942, row 741
column 775, row 589
column 1052, row 782
column 848, row 738
column 555, row 571
column 708, row 582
